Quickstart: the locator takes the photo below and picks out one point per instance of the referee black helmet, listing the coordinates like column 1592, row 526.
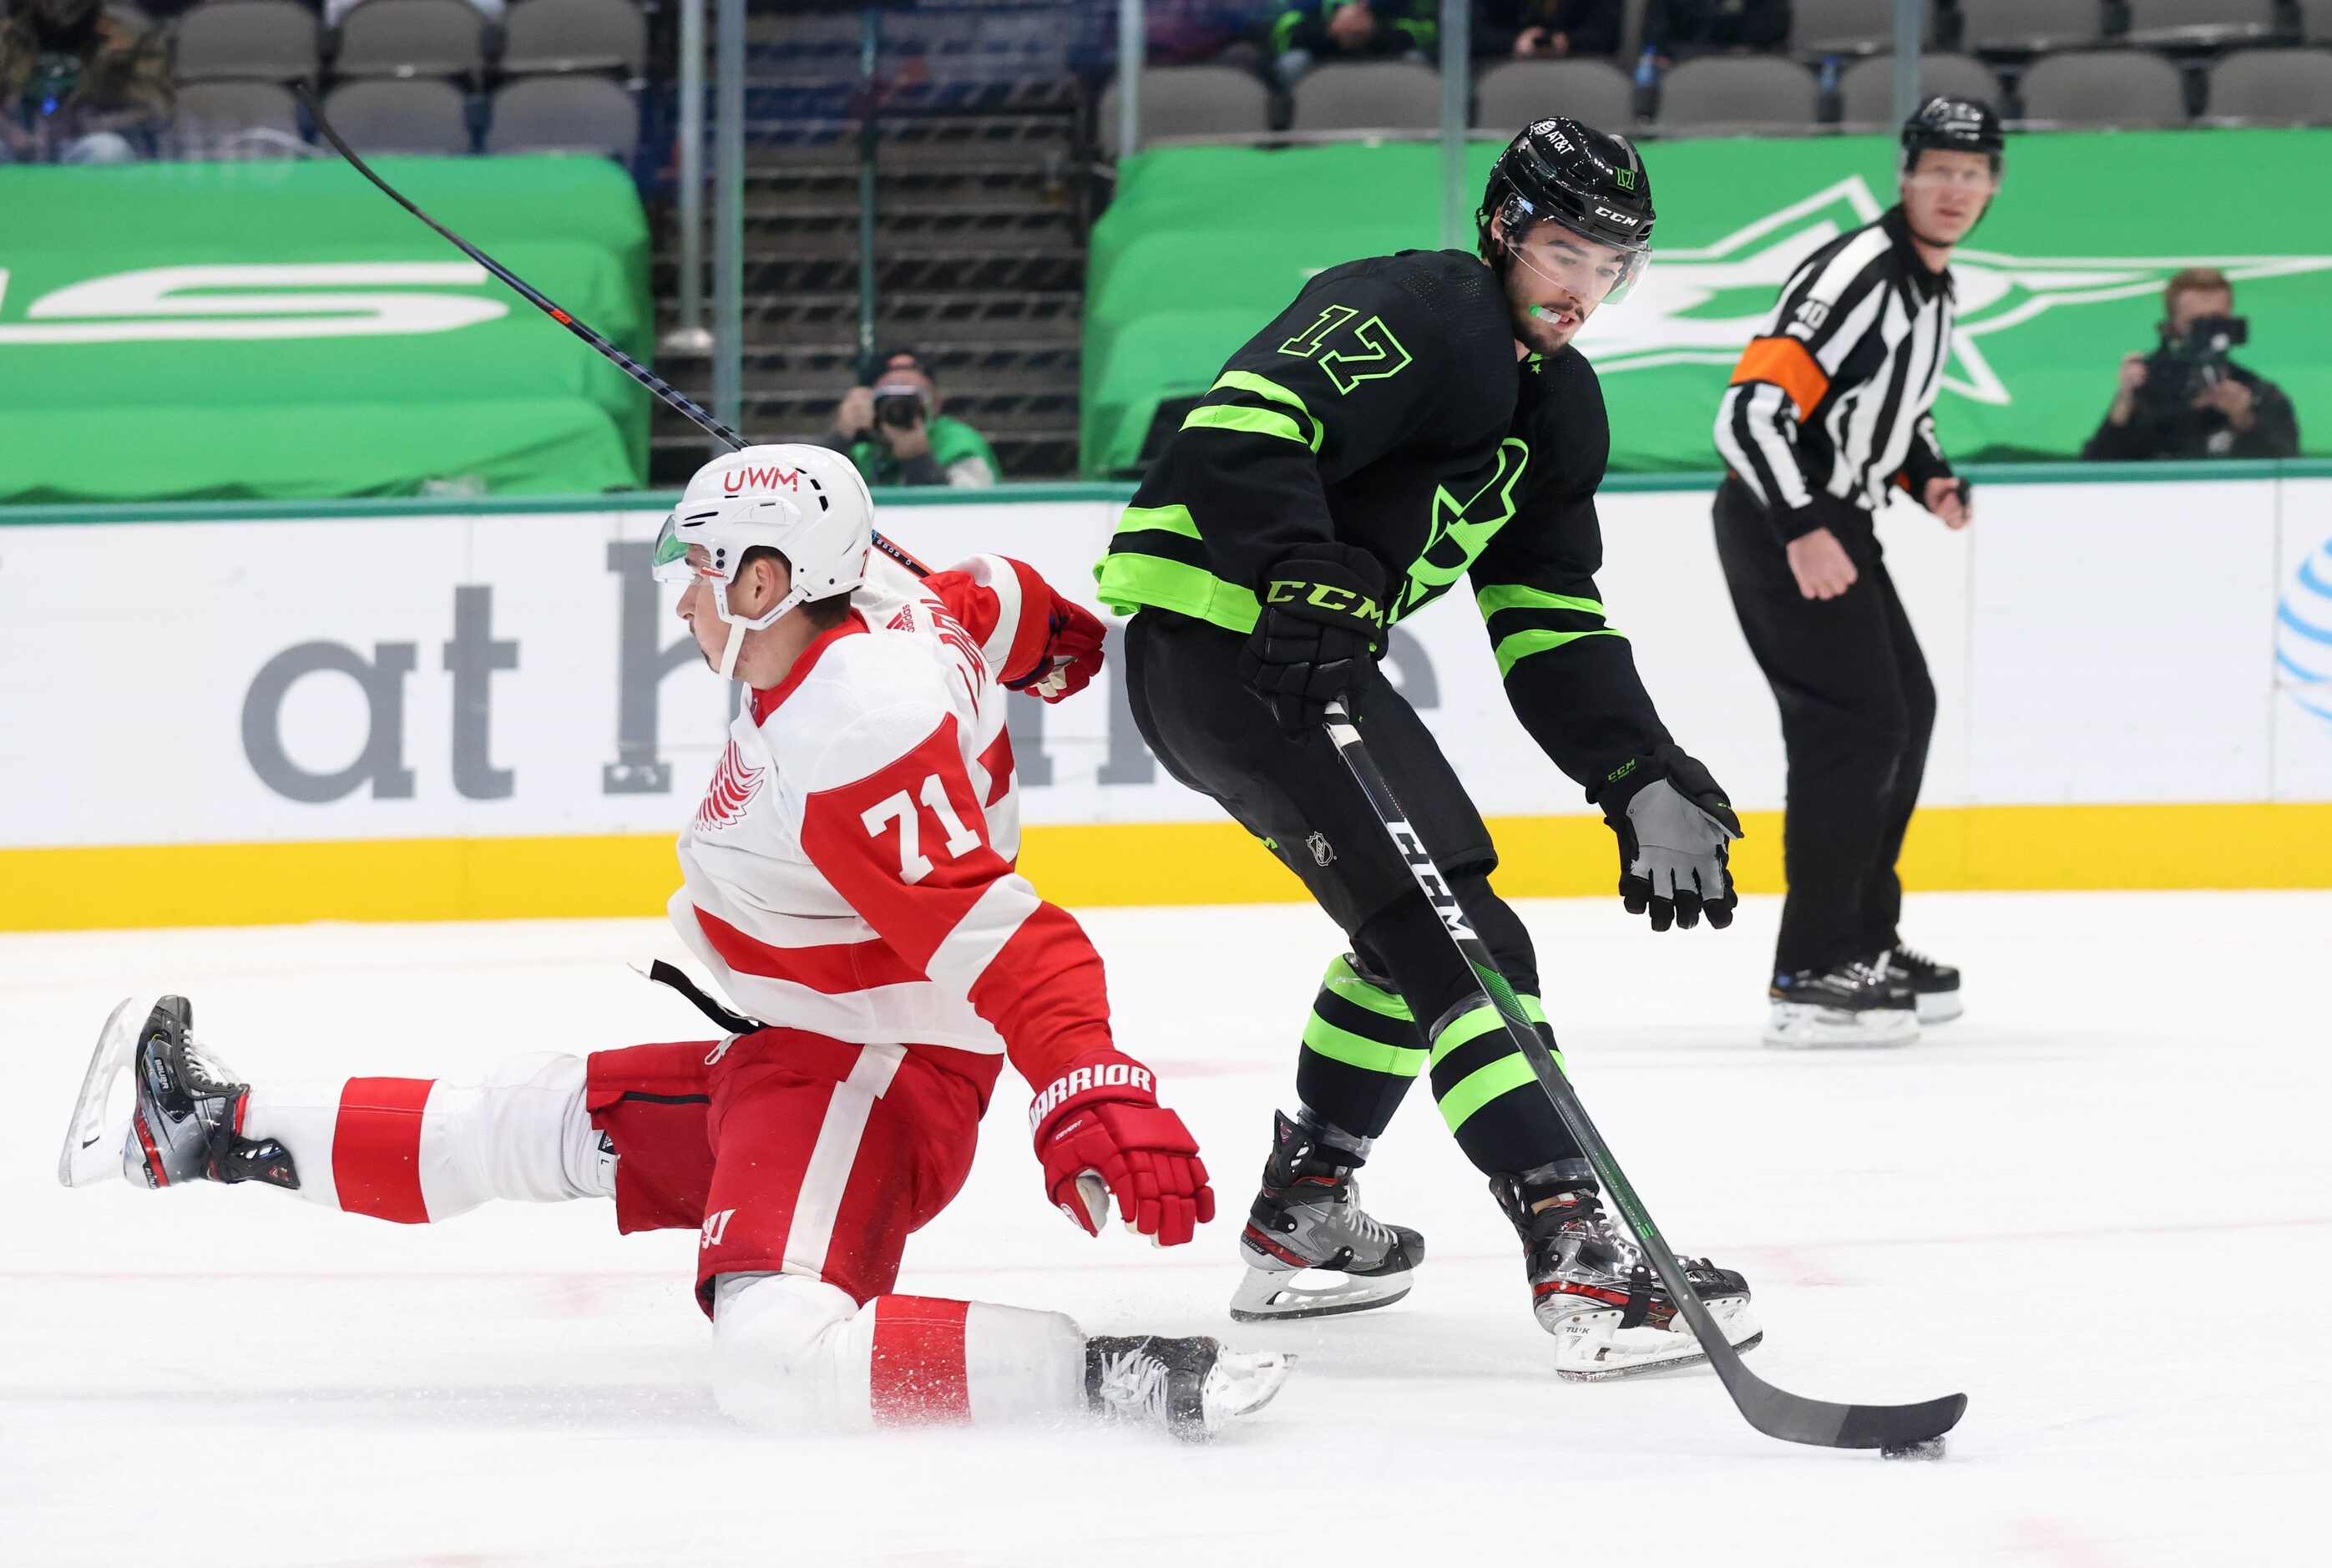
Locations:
column 1945, row 124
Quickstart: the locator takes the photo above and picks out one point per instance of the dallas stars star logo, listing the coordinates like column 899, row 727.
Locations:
column 1701, row 306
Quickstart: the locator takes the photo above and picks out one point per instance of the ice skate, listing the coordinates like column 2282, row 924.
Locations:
column 1591, row 1289
column 186, row 1115
column 1190, row 1388
column 1309, row 1248
column 1853, row 1005
column 1935, row 986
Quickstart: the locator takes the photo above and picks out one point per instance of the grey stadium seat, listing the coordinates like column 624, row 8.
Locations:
column 235, row 119
column 587, row 114
column 411, row 38
column 2124, row 87
column 543, row 36
column 2200, row 22
column 2283, row 86
column 1866, row 91
column 2315, row 20
column 1511, row 95
column 1190, row 101
column 2013, row 26
column 246, row 41
column 1844, row 26
column 1369, row 95
column 1742, row 92
column 390, row 116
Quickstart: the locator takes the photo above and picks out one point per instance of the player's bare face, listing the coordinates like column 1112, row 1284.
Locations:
column 755, row 589
column 1946, row 193
column 1556, row 282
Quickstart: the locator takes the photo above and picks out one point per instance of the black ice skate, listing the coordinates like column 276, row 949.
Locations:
column 1190, row 1388
column 1307, row 1218
column 1853, row 1005
column 186, row 1118
column 1935, row 986
column 1592, row 1290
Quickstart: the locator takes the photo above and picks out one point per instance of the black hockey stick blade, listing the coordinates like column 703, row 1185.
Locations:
column 695, row 412
column 1773, row 1412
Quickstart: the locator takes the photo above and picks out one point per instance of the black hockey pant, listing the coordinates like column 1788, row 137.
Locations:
column 1858, row 708
column 1399, row 1004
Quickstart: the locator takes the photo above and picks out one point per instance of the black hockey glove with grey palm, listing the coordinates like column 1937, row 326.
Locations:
column 1674, row 824
column 1322, row 616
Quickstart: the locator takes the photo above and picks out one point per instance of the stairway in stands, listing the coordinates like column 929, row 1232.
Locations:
column 979, row 245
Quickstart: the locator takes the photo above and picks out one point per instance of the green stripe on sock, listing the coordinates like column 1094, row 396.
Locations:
column 1516, row 597
column 1346, row 982
column 1465, row 1026
column 1484, row 1084
column 1359, row 1051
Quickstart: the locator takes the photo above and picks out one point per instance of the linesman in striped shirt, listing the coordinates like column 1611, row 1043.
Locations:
column 1829, row 409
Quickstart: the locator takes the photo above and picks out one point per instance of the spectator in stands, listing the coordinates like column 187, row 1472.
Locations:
column 1312, row 33
column 2187, row 398
column 1680, row 29
column 1545, row 29
column 79, row 85
column 893, row 429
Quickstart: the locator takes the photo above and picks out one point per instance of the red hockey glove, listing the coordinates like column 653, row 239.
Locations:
column 1100, row 1130
column 1072, row 654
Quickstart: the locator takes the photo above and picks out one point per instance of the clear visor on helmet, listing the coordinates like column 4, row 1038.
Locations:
column 1586, row 268
column 670, row 562
column 1970, row 172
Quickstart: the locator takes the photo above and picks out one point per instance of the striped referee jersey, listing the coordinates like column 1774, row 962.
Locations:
column 1831, row 403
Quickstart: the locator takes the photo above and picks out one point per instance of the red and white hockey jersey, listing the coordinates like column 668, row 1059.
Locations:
column 851, row 869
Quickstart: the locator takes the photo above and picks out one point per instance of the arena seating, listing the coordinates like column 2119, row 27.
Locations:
column 438, row 73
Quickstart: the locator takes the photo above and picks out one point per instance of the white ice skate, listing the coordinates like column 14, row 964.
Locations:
column 1311, row 1250
column 1191, row 1388
column 97, row 1135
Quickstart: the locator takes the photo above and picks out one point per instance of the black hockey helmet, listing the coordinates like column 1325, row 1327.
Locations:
column 1589, row 181
column 1944, row 124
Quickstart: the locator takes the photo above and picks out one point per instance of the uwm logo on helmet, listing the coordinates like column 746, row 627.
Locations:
column 738, row 480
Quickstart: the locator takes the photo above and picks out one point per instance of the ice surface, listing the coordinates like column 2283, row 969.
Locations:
column 2098, row 1204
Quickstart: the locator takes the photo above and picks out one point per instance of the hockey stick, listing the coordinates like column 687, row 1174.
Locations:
column 525, row 291
column 1771, row 1410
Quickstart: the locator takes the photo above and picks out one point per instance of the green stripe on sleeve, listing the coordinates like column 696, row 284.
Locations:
column 1127, row 581
column 1515, row 649
column 1346, row 982
column 1516, row 597
column 1163, row 518
column 1359, row 1051
column 1484, row 1084
column 1264, row 386
column 1249, row 421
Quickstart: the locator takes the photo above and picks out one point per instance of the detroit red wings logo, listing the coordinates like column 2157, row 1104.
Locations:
column 734, row 785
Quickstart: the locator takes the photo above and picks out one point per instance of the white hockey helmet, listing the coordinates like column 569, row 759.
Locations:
column 806, row 502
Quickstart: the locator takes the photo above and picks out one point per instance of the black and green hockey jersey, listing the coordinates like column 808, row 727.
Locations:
column 1385, row 408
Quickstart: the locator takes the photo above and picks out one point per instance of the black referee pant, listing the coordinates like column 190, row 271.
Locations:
column 1858, row 708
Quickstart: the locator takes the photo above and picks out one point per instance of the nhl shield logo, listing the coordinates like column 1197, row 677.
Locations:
column 1323, row 852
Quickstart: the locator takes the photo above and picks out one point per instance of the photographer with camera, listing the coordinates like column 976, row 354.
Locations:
column 891, row 428
column 2187, row 398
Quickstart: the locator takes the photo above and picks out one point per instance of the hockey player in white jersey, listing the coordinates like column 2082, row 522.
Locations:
column 849, row 881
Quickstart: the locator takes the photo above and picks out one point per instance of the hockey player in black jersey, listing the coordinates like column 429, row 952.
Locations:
column 1408, row 421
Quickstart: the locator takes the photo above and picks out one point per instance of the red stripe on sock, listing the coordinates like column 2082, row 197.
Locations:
column 918, row 1374
column 377, row 1148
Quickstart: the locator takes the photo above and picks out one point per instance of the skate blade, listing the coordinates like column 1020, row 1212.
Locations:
column 1940, row 1007
column 1592, row 1348
column 94, row 1142
column 1271, row 1295
column 1239, row 1385
column 1798, row 1026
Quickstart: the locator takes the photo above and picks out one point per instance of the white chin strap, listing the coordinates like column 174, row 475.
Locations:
column 737, row 628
